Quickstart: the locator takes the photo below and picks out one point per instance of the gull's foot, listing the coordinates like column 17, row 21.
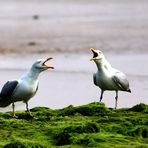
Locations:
column 114, row 109
column 30, row 116
column 14, row 116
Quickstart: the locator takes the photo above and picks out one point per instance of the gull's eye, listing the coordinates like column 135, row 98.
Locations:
column 100, row 52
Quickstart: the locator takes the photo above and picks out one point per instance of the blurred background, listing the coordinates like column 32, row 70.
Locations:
column 66, row 29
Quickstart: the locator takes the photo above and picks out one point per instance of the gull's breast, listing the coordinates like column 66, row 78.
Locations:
column 105, row 82
column 24, row 91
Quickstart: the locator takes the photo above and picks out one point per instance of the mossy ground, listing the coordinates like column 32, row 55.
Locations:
column 87, row 126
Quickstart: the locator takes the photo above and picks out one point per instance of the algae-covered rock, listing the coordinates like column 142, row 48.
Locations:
column 90, row 125
column 86, row 141
column 67, row 111
column 42, row 113
column 139, row 131
column 62, row 138
column 15, row 144
column 140, row 108
column 92, row 109
column 19, row 144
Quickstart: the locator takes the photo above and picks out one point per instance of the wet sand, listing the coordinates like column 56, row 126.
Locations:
column 71, row 82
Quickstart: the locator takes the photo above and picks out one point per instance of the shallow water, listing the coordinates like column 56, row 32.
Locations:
column 71, row 81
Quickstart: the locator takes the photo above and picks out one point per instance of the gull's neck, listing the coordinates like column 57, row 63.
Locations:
column 31, row 75
column 103, row 64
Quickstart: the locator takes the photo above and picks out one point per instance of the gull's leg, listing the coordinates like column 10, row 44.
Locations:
column 116, row 99
column 13, row 107
column 101, row 96
column 28, row 108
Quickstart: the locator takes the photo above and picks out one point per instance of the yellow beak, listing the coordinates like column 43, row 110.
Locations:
column 93, row 50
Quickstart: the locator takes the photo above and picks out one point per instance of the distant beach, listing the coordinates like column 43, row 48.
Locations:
column 40, row 26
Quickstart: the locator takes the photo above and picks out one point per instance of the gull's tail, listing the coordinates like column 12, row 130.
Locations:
column 129, row 91
column 6, row 93
column 4, row 101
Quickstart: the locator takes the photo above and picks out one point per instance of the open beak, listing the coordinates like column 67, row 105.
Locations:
column 95, row 54
column 46, row 65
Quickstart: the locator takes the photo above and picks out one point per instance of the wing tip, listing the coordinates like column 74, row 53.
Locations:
column 129, row 91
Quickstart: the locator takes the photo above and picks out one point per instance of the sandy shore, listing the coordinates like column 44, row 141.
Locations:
column 68, row 25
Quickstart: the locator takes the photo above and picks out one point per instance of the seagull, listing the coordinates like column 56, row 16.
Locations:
column 108, row 78
column 24, row 88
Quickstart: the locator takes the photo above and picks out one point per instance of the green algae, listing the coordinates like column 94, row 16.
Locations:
column 90, row 125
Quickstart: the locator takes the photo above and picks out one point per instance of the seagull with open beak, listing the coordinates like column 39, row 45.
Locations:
column 108, row 78
column 24, row 88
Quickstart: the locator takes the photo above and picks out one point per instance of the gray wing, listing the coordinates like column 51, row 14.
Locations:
column 37, row 88
column 6, row 92
column 95, row 79
column 121, row 81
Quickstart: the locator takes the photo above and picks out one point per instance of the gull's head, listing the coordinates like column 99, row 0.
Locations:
column 41, row 64
column 97, row 55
